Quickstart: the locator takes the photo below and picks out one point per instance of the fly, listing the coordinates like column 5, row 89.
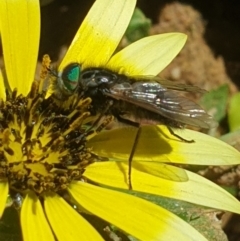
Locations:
column 138, row 99
column 134, row 99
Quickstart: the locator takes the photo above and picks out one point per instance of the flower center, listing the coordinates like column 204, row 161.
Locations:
column 42, row 142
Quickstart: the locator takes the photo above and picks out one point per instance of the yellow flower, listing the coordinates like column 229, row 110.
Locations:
column 43, row 156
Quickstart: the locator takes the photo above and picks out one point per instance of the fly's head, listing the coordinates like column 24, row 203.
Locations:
column 68, row 79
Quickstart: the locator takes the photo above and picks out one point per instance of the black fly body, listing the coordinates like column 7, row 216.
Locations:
column 134, row 100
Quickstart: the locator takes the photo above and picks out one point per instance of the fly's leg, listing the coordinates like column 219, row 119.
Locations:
column 179, row 137
column 107, row 120
column 131, row 157
column 95, row 123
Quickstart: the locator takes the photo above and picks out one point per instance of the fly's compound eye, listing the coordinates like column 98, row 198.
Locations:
column 68, row 79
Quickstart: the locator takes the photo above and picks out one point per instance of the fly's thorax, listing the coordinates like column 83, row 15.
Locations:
column 96, row 81
column 94, row 77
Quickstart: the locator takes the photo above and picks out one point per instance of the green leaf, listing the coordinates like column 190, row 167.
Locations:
column 9, row 226
column 138, row 27
column 215, row 102
column 233, row 113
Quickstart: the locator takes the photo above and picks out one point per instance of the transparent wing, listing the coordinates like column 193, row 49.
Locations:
column 170, row 84
column 157, row 98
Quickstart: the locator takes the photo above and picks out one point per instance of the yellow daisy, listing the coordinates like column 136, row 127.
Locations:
column 43, row 146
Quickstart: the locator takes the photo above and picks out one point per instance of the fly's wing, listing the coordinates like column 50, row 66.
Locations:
column 153, row 97
column 170, row 84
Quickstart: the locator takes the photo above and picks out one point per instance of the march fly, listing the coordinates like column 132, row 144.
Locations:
column 135, row 100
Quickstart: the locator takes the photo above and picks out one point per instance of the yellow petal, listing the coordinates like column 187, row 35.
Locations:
column 33, row 221
column 100, row 33
column 155, row 143
column 66, row 223
column 148, row 56
column 140, row 218
column 116, row 143
column 2, row 87
column 3, row 194
column 162, row 170
column 196, row 190
column 20, row 31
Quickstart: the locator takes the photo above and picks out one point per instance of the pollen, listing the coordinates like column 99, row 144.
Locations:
column 42, row 143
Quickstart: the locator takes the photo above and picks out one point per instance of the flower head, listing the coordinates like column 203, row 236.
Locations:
column 45, row 152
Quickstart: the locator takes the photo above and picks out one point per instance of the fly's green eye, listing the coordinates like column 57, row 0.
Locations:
column 70, row 77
